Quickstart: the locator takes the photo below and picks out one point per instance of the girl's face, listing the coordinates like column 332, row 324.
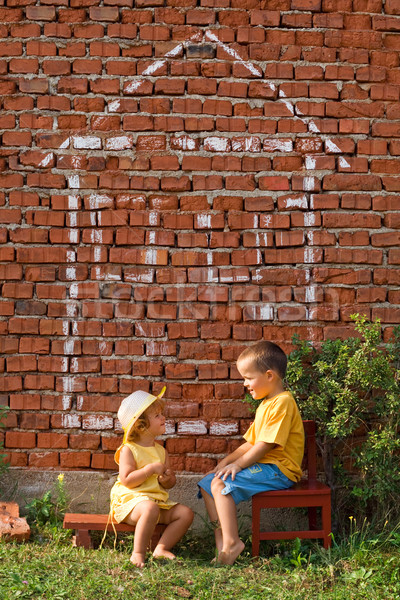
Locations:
column 259, row 384
column 156, row 421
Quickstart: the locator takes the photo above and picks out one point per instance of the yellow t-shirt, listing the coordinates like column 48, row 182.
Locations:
column 278, row 421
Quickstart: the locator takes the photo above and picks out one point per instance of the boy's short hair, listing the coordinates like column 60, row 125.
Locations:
column 265, row 356
column 143, row 422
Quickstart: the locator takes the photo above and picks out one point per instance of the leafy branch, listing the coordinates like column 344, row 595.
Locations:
column 351, row 389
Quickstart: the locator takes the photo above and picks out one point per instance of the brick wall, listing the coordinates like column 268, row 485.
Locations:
column 179, row 179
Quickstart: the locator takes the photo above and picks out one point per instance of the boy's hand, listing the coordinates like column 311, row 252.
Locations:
column 231, row 470
column 214, row 470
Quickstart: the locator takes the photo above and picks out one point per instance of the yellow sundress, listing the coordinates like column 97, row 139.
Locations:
column 123, row 499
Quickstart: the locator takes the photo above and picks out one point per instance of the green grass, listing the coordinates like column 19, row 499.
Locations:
column 47, row 567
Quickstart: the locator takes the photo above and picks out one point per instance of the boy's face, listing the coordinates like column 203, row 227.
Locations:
column 259, row 384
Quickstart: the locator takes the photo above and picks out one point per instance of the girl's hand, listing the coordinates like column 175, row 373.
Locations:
column 231, row 470
column 157, row 468
column 165, row 478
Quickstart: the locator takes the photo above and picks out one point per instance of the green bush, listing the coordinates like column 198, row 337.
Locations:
column 350, row 388
column 46, row 510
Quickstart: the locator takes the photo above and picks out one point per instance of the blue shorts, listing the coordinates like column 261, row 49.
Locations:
column 260, row 477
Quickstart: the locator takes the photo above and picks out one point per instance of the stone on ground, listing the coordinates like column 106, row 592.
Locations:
column 12, row 526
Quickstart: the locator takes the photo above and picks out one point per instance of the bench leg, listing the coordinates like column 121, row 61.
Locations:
column 326, row 524
column 155, row 538
column 82, row 538
column 255, row 533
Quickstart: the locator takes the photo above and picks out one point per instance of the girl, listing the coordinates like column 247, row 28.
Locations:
column 140, row 497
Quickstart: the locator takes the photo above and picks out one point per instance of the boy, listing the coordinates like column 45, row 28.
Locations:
column 271, row 457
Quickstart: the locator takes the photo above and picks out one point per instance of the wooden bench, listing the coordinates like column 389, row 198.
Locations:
column 84, row 523
column 308, row 493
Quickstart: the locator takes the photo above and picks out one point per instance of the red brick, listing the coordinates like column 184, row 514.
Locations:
column 356, row 220
column 20, row 65
column 52, row 440
column 372, row 295
column 17, row 138
column 358, row 238
column 10, row 49
column 39, row 382
column 392, row 220
column 181, row 445
column 12, row 383
column 40, row 48
column 182, row 330
column 103, row 461
column 17, row 459
column 43, row 460
column 16, row 439
column 273, row 182
column 385, row 239
column 72, row 460
column 351, row 182
column 21, row 363
column 386, row 129
column 180, row 371
column 247, row 332
column 356, row 256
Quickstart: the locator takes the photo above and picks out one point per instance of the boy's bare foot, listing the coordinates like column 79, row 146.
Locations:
column 228, row 556
column 163, row 553
column 138, row 559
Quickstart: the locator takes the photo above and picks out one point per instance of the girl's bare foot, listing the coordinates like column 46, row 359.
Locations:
column 163, row 553
column 137, row 559
column 230, row 554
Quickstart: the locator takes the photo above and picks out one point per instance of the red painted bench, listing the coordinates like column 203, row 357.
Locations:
column 83, row 524
column 308, row 493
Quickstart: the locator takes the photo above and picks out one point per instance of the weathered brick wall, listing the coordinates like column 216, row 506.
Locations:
column 178, row 179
